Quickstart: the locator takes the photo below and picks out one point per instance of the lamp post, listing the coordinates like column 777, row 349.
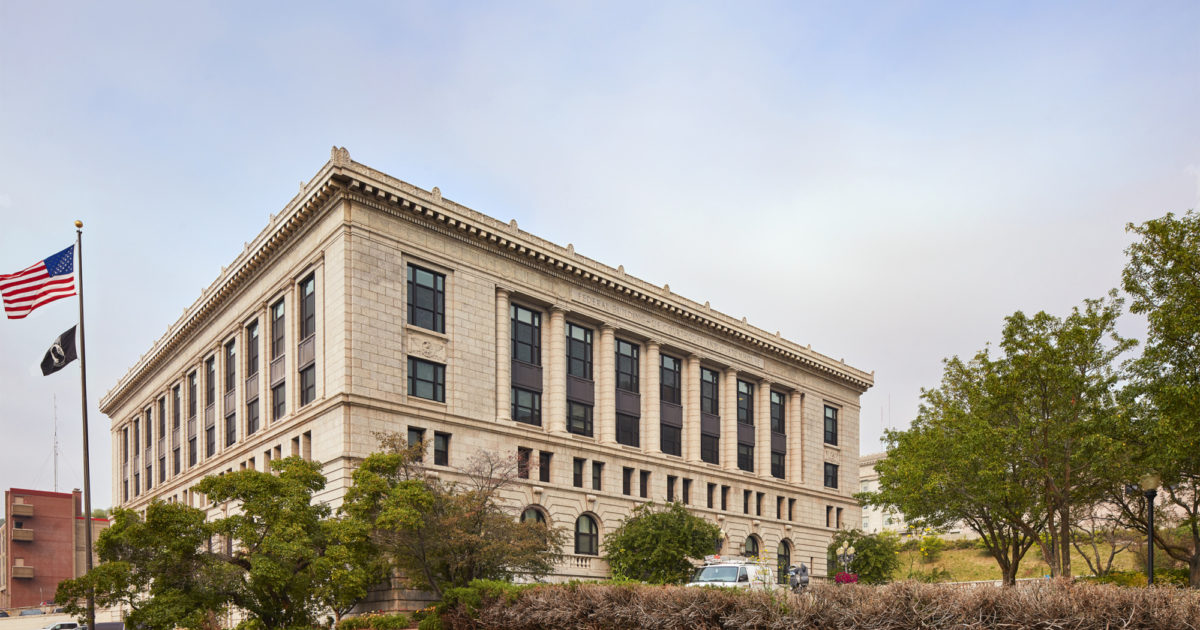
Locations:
column 1150, row 483
column 845, row 555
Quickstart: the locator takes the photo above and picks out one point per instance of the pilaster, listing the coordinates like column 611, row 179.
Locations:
column 555, row 417
column 651, row 409
column 606, row 388
column 503, row 357
column 728, row 404
column 691, row 408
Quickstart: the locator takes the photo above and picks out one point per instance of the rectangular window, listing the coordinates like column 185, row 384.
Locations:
column 671, row 439
column 839, row 518
column 670, row 488
column 162, row 469
column 278, row 401
column 149, row 432
column 308, row 307
column 162, row 417
column 791, row 508
column 230, row 365
column 709, row 395
column 137, row 484
column 746, row 501
column 745, row 457
column 308, row 384
column 626, row 481
column 526, row 335
column 710, row 446
column 712, row 491
column 125, row 445
column 778, row 508
column 579, row 418
column 191, row 451
column 176, row 463
column 210, row 441
column 758, row 501
column 831, row 425
column 724, row 498
column 426, row 299
column 777, row 461
column 149, row 475
column 579, row 351
column 644, row 485
column 192, row 394
column 828, row 516
column 441, row 449
column 544, row 466
column 597, row 475
column 627, row 366
column 278, row 330
column 417, row 436
column 831, row 475
column 577, row 466
column 137, row 435
column 426, row 380
column 251, row 350
column 687, row 491
column 745, row 402
column 778, row 404
column 627, row 430
column 252, row 420
column 210, row 382
column 230, row 429
column 669, row 386
column 527, row 406
column 176, row 406
column 523, row 457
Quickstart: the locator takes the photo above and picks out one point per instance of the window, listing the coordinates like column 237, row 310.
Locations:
column 308, row 384
column 441, row 449
column 710, row 448
column 523, row 457
column 252, row 420
column 671, row 487
column 532, row 514
column 627, row 430
column 712, row 490
column 278, row 401
column 671, row 439
column 230, row 429
column 745, row 402
column 526, row 335
column 644, row 484
column 745, row 455
column 751, row 546
column 709, row 397
column 230, row 365
column 277, row 330
column 828, row 516
column 176, row 406
column 839, row 518
column 162, row 417
column 210, row 441
column 597, row 475
column 724, row 498
column 778, row 403
column 783, row 560
column 416, row 435
column 687, row 491
column 831, row 425
column 526, row 406
column 191, row 451
column 251, row 351
column 149, row 432
column 579, row 418
column 669, row 380
column 544, row 466
column 791, row 508
column 587, row 536
column 210, row 382
column 579, row 351
column 758, row 501
column 192, row 395
column 746, row 501
column 577, row 465
column 137, row 483
column 176, row 463
column 426, row 299
column 426, row 380
column 778, row 508
column 137, row 436
column 777, row 462
column 308, row 307
column 125, row 445
column 626, row 481
column 627, row 366
column 831, row 475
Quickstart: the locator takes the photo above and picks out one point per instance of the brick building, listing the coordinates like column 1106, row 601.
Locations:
column 42, row 545
column 368, row 304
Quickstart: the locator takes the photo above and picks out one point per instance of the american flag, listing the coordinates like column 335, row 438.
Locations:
column 47, row 280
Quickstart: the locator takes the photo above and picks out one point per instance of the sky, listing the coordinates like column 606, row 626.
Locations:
column 885, row 181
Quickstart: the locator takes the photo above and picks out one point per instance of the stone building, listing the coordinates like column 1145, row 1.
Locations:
column 876, row 519
column 42, row 542
column 368, row 304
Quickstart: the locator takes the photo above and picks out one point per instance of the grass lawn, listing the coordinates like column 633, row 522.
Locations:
column 966, row 565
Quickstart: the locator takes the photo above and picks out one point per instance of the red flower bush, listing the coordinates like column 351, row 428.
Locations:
column 846, row 578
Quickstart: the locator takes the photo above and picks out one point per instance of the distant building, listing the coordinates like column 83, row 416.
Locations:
column 368, row 305
column 42, row 545
column 875, row 520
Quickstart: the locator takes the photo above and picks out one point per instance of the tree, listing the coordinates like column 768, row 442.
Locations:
column 655, row 544
column 155, row 568
column 875, row 555
column 1163, row 423
column 443, row 534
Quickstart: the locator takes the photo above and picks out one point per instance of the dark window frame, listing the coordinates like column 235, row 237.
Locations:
column 778, row 465
column 670, row 379
column 627, row 369
column 308, row 306
column 597, row 475
column 745, row 457
column 436, row 382
column 545, row 461
column 587, row 543
column 579, row 418
column 831, row 475
column 628, row 430
column 745, row 402
column 533, row 347
column 710, row 448
column 441, row 448
column 431, row 316
column 710, row 392
column 278, row 315
column 579, row 351
column 577, row 466
column 670, row 440
column 778, row 412
column 831, row 425
column 252, row 350
column 534, row 414
column 230, row 365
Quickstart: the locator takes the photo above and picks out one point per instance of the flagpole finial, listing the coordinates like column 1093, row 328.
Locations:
column 79, row 224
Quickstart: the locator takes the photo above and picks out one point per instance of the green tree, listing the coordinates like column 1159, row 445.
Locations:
column 1162, row 427
column 443, row 534
column 656, row 544
column 876, row 556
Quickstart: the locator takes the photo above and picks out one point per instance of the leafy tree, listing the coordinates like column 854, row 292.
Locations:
column 876, row 556
column 1163, row 424
column 655, row 544
column 443, row 534
column 154, row 568
column 351, row 566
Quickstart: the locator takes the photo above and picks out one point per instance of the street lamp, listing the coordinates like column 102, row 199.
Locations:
column 1150, row 483
column 845, row 555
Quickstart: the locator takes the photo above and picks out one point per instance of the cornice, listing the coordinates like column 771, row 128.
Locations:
column 341, row 174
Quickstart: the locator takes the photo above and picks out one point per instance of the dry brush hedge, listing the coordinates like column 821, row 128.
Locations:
column 1052, row 605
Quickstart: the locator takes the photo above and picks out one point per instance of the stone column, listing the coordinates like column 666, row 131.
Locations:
column 555, row 362
column 605, row 374
column 728, row 405
column 762, row 430
column 691, row 407
column 794, row 423
column 503, row 357
column 651, row 428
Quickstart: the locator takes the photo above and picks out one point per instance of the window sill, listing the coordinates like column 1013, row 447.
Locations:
column 426, row 331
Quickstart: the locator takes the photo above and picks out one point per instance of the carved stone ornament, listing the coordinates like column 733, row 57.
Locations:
column 339, row 156
column 437, row 194
column 428, row 348
column 833, row 455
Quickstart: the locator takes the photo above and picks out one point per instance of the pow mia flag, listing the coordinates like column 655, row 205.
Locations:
column 61, row 352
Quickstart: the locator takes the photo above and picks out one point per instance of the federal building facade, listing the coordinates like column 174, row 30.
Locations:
column 370, row 305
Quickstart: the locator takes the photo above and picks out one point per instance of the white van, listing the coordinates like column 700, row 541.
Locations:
column 734, row 572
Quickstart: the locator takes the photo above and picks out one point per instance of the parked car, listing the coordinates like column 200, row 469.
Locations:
column 65, row 625
column 3, row 613
column 30, row 611
column 734, row 572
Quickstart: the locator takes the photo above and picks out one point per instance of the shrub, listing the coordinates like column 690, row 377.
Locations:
column 430, row 622
column 932, row 576
column 875, row 556
column 375, row 621
column 845, row 578
column 931, row 548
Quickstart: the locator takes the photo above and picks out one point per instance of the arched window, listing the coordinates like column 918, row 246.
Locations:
column 785, row 560
column 533, row 514
column 751, row 548
column 587, row 536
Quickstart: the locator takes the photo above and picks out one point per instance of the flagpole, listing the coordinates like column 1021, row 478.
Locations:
column 87, row 474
